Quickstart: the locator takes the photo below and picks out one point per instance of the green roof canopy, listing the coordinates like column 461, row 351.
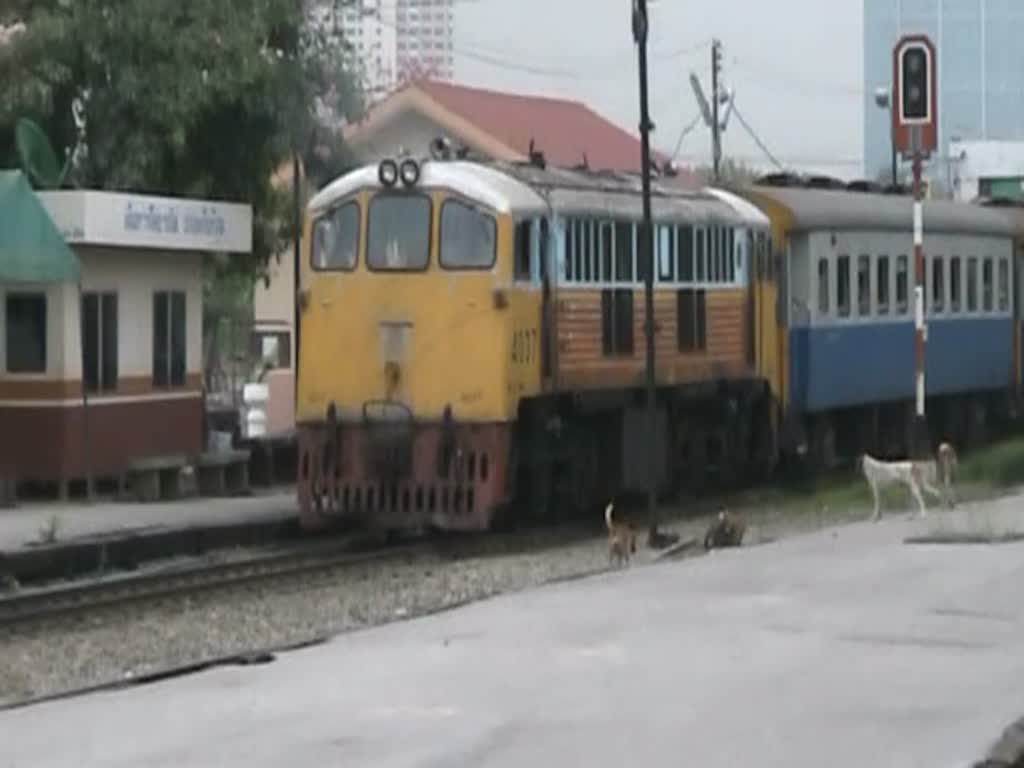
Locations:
column 32, row 249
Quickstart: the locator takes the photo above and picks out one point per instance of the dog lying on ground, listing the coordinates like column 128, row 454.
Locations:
column 621, row 537
column 915, row 475
column 726, row 530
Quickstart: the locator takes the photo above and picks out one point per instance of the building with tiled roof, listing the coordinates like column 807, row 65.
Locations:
column 494, row 124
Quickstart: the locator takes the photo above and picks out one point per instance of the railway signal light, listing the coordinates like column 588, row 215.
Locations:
column 914, row 104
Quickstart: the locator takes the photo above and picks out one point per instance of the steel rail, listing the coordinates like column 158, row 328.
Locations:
column 51, row 602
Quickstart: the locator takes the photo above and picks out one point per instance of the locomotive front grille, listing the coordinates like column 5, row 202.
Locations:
column 390, row 431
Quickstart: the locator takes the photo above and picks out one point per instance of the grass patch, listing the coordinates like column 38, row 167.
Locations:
column 1000, row 465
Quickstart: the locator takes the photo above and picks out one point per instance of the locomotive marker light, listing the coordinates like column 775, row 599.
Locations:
column 387, row 172
column 915, row 133
column 410, row 172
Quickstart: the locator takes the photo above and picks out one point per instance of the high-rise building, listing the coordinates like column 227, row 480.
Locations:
column 980, row 61
column 391, row 41
column 425, row 39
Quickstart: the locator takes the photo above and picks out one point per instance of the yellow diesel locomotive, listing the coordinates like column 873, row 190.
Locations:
column 472, row 342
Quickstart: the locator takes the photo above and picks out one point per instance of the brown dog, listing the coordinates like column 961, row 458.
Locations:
column 621, row 538
column 726, row 530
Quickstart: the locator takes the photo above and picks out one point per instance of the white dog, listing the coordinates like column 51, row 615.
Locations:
column 913, row 474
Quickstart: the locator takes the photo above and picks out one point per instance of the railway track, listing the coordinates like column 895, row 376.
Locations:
column 37, row 604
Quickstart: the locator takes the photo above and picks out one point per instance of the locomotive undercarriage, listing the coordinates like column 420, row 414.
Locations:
column 395, row 473
column 572, row 453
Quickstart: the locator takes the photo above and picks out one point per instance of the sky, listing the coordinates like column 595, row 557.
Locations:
column 796, row 67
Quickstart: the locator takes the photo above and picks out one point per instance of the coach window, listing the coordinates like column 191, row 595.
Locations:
column 986, row 284
column 882, row 285
column 1004, row 285
column 336, row 239
column 938, row 285
column 901, row 285
column 398, row 231
column 26, row 332
column 955, row 283
column 843, row 286
column 972, row 284
column 863, row 285
column 823, row 287
column 522, row 270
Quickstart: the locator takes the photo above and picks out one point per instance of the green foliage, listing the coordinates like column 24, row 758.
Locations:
column 1000, row 465
column 202, row 98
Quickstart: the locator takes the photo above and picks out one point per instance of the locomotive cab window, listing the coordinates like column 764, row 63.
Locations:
column 398, row 232
column 336, row 239
column 469, row 236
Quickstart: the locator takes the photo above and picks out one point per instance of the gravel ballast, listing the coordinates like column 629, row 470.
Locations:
column 129, row 641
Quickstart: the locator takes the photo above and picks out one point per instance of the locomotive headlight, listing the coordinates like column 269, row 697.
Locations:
column 387, row 172
column 410, row 172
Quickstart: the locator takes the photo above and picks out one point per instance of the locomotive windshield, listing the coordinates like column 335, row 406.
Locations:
column 398, row 235
column 336, row 238
column 468, row 237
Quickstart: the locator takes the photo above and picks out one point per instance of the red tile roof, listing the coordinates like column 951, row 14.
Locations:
column 563, row 130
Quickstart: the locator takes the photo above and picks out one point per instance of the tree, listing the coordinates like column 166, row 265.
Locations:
column 203, row 98
column 732, row 172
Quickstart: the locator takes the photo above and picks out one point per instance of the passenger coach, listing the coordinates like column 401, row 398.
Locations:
column 848, row 315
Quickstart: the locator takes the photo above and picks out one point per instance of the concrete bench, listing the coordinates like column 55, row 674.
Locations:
column 223, row 473
column 154, row 478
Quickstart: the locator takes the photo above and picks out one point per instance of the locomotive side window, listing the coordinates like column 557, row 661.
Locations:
column 823, row 286
column 882, row 285
column 398, row 232
column 666, row 254
column 938, row 285
column 972, row 283
column 623, row 252
column 469, row 236
column 1004, row 285
column 954, row 284
column 336, row 239
column 522, row 268
column 701, row 253
column 606, row 252
column 684, row 254
column 843, row 286
column 986, row 285
column 901, row 285
column 570, row 248
column 863, row 285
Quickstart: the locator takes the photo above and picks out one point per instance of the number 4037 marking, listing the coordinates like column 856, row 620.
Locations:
column 524, row 345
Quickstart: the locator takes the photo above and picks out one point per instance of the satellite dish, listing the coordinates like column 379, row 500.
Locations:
column 37, row 157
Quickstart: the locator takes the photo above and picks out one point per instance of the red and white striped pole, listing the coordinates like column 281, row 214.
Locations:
column 921, row 440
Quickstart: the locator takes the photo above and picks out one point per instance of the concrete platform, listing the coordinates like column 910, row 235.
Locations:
column 20, row 527
column 842, row 648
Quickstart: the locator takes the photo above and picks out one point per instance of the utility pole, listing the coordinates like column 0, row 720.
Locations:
column 646, row 257
column 716, row 126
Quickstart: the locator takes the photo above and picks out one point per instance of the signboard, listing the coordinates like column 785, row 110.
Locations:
column 914, row 106
column 125, row 220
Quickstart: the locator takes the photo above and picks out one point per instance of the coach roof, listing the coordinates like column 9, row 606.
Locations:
column 817, row 209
